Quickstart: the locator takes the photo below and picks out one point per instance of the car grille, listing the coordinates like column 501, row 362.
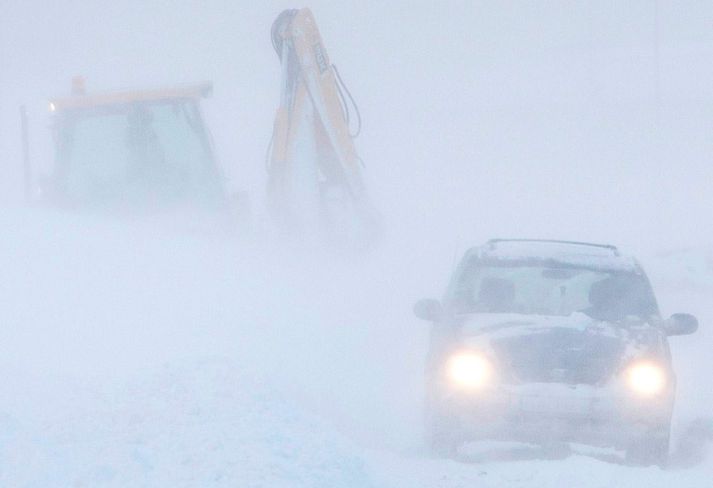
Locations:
column 559, row 356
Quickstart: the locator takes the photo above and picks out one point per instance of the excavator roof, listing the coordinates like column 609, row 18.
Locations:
column 83, row 101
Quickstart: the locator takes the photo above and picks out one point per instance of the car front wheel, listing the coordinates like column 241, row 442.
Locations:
column 648, row 451
column 441, row 436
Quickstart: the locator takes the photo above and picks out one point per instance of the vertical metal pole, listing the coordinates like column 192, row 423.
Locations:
column 657, row 56
column 26, row 169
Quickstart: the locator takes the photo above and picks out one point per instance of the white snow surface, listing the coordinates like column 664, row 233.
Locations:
column 142, row 357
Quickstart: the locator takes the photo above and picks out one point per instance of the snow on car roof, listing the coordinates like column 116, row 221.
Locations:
column 571, row 253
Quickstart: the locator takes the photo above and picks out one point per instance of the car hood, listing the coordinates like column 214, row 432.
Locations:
column 573, row 349
column 507, row 324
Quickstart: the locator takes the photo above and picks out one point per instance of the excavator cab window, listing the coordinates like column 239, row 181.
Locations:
column 135, row 154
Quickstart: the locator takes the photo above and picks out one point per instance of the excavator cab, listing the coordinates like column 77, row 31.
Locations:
column 133, row 150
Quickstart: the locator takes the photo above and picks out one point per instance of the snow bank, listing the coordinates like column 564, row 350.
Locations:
column 198, row 424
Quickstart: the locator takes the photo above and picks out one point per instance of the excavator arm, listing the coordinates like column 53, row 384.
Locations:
column 315, row 174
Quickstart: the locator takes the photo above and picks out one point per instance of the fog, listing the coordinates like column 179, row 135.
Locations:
column 140, row 353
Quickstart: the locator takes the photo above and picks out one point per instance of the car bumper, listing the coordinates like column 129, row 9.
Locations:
column 540, row 413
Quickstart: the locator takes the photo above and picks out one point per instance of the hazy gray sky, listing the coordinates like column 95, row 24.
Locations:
column 536, row 118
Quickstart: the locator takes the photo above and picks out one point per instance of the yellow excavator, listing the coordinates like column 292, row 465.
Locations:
column 316, row 181
column 141, row 149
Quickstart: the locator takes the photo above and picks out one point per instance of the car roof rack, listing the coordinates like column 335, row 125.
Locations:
column 492, row 242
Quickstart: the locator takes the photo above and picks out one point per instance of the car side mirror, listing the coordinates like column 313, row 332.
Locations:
column 428, row 309
column 681, row 324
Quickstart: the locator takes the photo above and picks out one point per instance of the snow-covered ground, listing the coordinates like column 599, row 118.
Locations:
column 133, row 356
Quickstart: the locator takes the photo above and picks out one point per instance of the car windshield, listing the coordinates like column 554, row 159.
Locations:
column 549, row 290
column 148, row 150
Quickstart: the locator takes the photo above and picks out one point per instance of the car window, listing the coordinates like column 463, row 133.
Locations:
column 547, row 290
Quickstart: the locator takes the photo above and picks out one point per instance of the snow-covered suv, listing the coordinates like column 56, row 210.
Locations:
column 550, row 341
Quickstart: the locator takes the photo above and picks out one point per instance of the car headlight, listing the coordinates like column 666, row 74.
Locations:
column 646, row 378
column 469, row 370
